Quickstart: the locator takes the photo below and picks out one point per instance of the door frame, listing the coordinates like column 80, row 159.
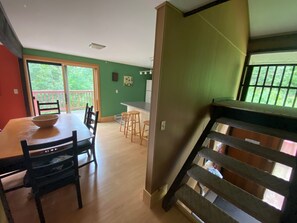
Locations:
column 64, row 63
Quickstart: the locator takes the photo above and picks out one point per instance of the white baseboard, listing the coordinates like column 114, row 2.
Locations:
column 152, row 199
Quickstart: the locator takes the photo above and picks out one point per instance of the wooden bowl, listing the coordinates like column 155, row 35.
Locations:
column 45, row 121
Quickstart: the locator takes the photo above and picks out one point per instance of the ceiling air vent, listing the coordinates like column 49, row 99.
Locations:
column 96, row 46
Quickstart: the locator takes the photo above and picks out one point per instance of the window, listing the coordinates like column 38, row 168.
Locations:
column 273, row 84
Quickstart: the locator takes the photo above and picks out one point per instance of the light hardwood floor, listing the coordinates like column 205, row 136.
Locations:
column 111, row 193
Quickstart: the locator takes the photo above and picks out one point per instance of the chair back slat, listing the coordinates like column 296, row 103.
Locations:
column 89, row 145
column 44, row 155
column 52, row 176
column 61, row 143
column 54, row 164
column 48, row 107
column 92, row 120
column 88, row 108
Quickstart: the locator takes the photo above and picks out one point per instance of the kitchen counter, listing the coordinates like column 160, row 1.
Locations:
column 141, row 106
column 138, row 105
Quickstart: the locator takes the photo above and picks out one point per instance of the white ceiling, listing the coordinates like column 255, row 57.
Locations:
column 269, row 17
column 126, row 28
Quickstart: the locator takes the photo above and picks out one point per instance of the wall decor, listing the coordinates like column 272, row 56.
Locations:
column 115, row 76
column 128, row 81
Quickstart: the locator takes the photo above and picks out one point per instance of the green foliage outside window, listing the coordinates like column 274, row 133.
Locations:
column 274, row 85
column 47, row 84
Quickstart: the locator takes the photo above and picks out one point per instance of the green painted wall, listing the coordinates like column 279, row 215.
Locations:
column 202, row 58
column 110, row 101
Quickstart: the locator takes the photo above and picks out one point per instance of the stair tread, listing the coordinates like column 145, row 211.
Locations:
column 266, row 109
column 260, row 119
column 267, row 153
column 258, row 128
column 202, row 207
column 267, row 180
column 242, row 199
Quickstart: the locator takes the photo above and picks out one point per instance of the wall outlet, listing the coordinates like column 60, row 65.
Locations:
column 163, row 125
column 117, row 91
column 15, row 91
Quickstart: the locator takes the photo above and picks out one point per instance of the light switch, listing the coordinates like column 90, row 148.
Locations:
column 15, row 91
column 117, row 91
column 163, row 125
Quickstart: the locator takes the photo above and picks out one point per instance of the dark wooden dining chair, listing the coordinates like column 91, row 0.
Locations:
column 87, row 112
column 50, row 166
column 8, row 168
column 48, row 107
column 8, row 216
column 89, row 144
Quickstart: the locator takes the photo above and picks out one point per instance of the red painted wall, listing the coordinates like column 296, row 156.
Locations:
column 11, row 105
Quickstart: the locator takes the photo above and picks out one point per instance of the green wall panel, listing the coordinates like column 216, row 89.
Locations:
column 201, row 59
column 110, row 100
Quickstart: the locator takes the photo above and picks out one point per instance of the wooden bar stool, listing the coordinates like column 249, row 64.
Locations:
column 133, row 124
column 124, row 121
column 145, row 131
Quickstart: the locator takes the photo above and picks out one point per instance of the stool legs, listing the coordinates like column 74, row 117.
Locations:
column 124, row 121
column 133, row 125
column 144, row 130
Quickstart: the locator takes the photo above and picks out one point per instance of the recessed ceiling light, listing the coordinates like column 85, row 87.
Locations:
column 96, row 46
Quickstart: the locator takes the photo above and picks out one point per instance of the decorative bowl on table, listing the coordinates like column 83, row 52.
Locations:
column 45, row 121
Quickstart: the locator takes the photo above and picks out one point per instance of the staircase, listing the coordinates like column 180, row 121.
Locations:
column 262, row 119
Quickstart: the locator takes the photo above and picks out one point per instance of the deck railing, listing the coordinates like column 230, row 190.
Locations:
column 78, row 98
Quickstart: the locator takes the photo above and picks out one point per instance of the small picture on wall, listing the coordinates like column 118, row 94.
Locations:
column 115, row 76
column 128, row 81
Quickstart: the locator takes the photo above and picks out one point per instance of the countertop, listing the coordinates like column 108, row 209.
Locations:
column 138, row 104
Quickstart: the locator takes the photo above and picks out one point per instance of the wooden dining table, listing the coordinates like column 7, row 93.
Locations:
column 24, row 129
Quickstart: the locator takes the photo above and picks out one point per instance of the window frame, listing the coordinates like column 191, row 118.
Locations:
column 245, row 83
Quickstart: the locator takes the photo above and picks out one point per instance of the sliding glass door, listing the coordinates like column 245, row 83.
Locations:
column 73, row 86
column 80, row 89
column 47, row 83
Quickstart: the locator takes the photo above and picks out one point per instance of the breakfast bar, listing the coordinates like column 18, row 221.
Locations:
column 141, row 106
